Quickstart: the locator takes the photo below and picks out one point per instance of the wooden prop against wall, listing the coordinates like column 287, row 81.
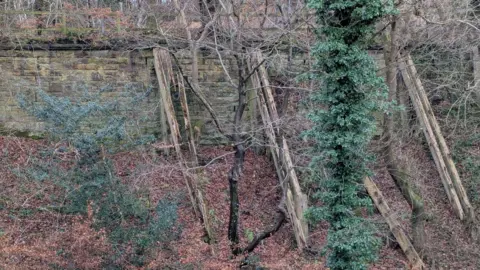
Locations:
column 441, row 155
column 166, row 79
column 296, row 201
column 445, row 152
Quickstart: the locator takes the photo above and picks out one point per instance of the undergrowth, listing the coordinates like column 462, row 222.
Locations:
column 83, row 134
column 469, row 165
column 462, row 120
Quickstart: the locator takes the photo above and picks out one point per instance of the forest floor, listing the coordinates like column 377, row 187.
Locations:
column 32, row 236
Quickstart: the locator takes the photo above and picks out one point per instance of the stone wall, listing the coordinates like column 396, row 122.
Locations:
column 67, row 73
column 61, row 73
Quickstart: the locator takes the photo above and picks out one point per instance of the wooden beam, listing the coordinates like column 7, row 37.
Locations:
column 296, row 201
column 432, row 143
column 186, row 118
column 164, row 72
column 447, row 156
column 300, row 200
column 165, row 76
column 267, row 90
column 395, row 227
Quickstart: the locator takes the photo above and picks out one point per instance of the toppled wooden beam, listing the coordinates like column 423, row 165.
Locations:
column 432, row 142
column 447, row 156
column 402, row 238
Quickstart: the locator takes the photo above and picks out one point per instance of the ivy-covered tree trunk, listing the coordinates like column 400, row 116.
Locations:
column 343, row 124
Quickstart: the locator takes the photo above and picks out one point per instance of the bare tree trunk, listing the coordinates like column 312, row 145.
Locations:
column 236, row 170
column 397, row 173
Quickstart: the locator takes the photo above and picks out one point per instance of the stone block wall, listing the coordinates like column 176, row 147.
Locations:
column 62, row 72
column 67, row 74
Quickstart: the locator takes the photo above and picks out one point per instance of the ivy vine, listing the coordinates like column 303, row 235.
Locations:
column 343, row 125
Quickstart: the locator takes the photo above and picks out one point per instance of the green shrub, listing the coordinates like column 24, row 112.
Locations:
column 87, row 131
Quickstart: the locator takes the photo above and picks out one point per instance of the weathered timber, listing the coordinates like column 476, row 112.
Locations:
column 432, row 142
column 267, row 90
column 402, row 238
column 268, row 128
column 163, row 68
column 296, row 201
column 164, row 131
column 165, row 75
column 447, row 156
column 186, row 118
column 162, row 65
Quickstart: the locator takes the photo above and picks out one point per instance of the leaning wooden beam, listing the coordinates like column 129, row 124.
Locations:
column 300, row 200
column 162, row 65
column 432, row 142
column 164, row 131
column 447, row 156
column 186, row 119
column 194, row 159
column 296, row 201
column 165, row 75
column 402, row 238
column 266, row 89
column 268, row 128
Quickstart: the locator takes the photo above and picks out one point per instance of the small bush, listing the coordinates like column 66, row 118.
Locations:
column 85, row 132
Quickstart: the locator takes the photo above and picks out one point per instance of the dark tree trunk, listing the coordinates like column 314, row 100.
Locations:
column 236, row 171
column 233, row 177
column 279, row 220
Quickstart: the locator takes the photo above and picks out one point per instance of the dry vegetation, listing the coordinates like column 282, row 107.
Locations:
column 35, row 237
